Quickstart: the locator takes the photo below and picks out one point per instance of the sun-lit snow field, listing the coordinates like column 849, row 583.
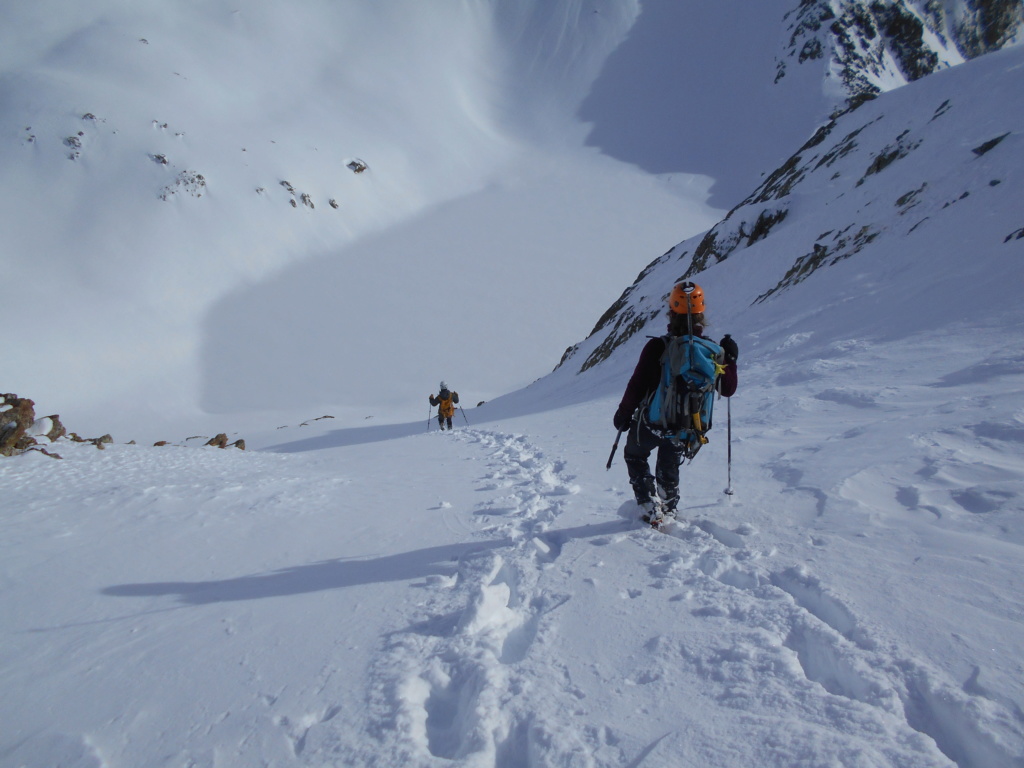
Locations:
column 364, row 590
column 484, row 597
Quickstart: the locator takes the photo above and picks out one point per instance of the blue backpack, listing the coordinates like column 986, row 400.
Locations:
column 682, row 405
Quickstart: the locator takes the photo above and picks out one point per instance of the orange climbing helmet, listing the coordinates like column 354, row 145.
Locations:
column 686, row 299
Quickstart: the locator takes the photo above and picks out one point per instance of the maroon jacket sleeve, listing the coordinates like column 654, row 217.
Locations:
column 645, row 376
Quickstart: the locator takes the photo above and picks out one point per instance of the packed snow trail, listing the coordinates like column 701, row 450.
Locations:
column 485, row 674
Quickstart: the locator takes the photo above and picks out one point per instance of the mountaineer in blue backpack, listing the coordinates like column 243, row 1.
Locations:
column 669, row 401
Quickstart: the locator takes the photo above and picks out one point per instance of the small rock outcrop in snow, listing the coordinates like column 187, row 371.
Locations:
column 20, row 431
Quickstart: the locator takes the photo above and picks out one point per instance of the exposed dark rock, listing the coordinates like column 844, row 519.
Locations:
column 823, row 255
column 734, row 232
column 861, row 38
column 905, row 34
column 943, row 108
column 628, row 325
column 57, row 429
column 909, row 200
column 890, row 154
column 840, row 150
column 74, row 143
column 190, row 182
column 20, row 431
column 46, row 452
column 17, row 414
column 567, row 355
column 223, row 441
column 988, row 26
column 318, row 418
column 989, row 145
column 99, row 442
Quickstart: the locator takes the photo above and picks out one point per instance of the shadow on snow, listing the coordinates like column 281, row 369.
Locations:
column 344, row 572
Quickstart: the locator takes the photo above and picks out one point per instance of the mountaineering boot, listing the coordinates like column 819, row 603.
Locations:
column 669, row 499
column 648, row 510
column 648, row 500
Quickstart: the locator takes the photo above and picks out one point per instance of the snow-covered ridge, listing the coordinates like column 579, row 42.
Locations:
column 905, row 179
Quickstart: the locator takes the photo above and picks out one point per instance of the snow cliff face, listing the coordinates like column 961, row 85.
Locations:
column 915, row 191
column 871, row 47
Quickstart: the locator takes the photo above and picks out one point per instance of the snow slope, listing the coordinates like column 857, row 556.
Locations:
column 485, row 598
column 132, row 270
column 911, row 200
column 351, row 593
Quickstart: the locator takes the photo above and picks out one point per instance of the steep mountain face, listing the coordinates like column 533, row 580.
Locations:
column 922, row 183
column 870, row 46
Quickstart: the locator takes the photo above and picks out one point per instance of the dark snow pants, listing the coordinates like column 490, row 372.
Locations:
column 640, row 442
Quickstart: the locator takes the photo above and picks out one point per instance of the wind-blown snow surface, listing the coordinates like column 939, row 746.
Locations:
column 485, row 598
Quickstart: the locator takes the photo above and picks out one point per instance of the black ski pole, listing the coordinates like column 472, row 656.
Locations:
column 615, row 447
column 728, row 430
column 464, row 415
column 430, row 413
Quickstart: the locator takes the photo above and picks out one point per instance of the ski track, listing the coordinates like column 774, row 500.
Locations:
column 471, row 682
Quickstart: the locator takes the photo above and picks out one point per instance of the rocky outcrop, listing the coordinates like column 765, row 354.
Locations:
column 21, row 431
column 986, row 25
column 17, row 414
column 223, row 441
column 871, row 45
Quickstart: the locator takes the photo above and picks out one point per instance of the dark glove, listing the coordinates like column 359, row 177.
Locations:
column 622, row 419
column 729, row 347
